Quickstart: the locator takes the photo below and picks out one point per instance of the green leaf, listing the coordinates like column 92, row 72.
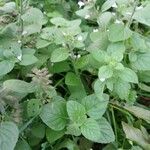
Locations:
column 82, row 62
column 6, row 66
column 108, row 4
column 107, row 134
column 144, row 87
column 139, row 112
column 32, row 21
column 22, row 145
column 59, row 54
column 95, row 107
column 9, row 134
column 59, row 21
column 76, row 112
column 116, row 50
column 122, row 89
column 53, row 135
column 19, row 86
column 128, row 75
column 8, row 7
column 98, row 131
column 38, row 130
column 28, row 59
column 142, row 15
column 104, row 19
column 73, row 129
column 42, row 43
column 142, row 61
column 60, row 67
column 136, row 148
column 100, row 56
column 104, row 73
column 34, row 107
column 118, row 32
column 54, row 115
column 90, row 130
column 99, row 88
column 139, row 42
column 71, row 79
column 100, row 41
column 66, row 144
column 134, row 134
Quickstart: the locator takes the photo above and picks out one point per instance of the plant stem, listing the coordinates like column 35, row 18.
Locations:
column 17, row 4
column 21, row 13
column 58, row 82
column 131, row 17
column 114, row 124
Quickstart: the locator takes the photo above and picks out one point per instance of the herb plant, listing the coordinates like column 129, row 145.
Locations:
column 74, row 74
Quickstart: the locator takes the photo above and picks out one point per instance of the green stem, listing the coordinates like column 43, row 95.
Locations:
column 17, row 4
column 26, row 124
column 131, row 17
column 21, row 13
column 58, row 82
column 114, row 124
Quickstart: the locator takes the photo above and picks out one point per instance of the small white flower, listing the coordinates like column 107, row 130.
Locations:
column 80, row 3
column 79, row 38
column 128, row 13
column 19, row 41
column 64, row 33
column 44, row 13
column 63, row 44
column 19, row 57
column 78, row 56
column 24, row 32
column 87, row 16
column 102, row 79
column 140, row 7
column 113, row 14
column 107, row 30
column 74, row 56
column 118, row 21
column 114, row 5
column 95, row 30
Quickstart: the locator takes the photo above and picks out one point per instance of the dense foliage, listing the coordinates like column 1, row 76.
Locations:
column 74, row 74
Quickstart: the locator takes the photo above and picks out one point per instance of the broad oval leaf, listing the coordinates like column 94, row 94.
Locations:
column 135, row 135
column 90, row 130
column 53, row 135
column 32, row 21
column 28, row 59
column 128, row 75
column 95, row 107
column 107, row 134
column 6, row 66
column 143, row 16
column 142, row 61
column 9, row 134
column 118, row 32
column 104, row 73
column 34, row 107
column 98, row 131
column 139, row 112
column 54, row 115
column 19, row 86
column 76, row 112
column 59, row 54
